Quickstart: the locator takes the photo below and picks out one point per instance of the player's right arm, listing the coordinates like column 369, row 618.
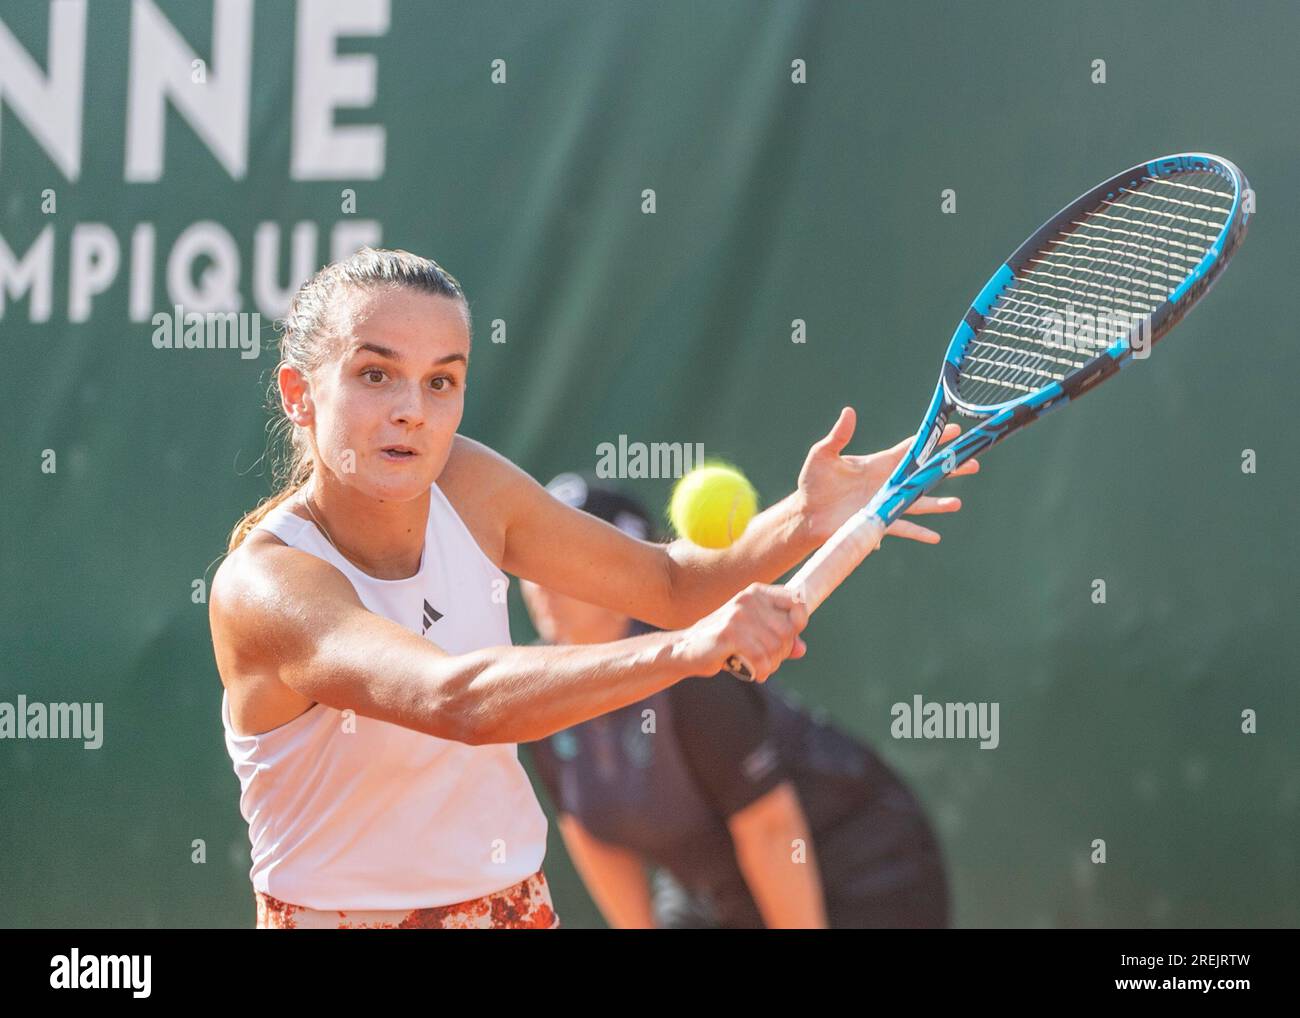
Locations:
column 287, row 621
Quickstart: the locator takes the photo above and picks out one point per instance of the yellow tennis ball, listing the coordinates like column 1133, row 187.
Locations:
column 712, row 505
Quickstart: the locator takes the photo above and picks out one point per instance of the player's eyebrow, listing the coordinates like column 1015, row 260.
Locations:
column 393, row 355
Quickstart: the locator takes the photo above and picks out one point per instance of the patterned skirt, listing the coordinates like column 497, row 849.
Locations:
column 526, row 905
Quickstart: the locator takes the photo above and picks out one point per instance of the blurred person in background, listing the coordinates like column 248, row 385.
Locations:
column 720, row 803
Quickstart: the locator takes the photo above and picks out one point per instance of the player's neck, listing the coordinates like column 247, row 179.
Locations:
column 384, row 539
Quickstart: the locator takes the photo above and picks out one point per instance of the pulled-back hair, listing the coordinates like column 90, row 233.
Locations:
column 307, row 341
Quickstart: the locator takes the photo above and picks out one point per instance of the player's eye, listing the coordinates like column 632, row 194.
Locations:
column 373, row 375
column 441, row 383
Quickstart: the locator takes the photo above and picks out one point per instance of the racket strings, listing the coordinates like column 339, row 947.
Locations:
column 1093, row 282
column 1164, row 201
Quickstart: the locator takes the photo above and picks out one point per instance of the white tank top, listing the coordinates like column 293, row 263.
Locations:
column 382, row 817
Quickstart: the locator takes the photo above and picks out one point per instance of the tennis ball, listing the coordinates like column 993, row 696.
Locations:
column 712, row 505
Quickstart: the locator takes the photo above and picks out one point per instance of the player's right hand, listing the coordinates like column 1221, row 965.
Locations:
column 760, row 625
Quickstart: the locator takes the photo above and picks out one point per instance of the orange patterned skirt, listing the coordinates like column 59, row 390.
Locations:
column 526, row 905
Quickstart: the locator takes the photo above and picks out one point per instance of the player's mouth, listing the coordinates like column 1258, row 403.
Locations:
column 397, row 453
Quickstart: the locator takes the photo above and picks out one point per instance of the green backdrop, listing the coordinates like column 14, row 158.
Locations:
column 775, row 201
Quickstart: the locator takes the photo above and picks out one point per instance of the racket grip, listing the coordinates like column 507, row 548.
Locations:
column 828, row 567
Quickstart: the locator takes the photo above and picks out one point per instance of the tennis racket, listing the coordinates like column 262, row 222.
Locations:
column 1090, row 292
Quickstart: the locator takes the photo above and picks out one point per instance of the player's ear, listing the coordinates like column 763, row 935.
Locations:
column 295, row 395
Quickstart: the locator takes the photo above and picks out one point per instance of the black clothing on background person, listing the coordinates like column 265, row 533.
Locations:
column 660, row 778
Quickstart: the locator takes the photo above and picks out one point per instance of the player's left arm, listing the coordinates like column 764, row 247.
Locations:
column 673, row 585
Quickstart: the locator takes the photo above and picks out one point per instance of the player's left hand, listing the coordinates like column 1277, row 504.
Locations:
column 833, row 486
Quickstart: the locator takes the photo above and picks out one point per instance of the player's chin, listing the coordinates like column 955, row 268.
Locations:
column 399, row 480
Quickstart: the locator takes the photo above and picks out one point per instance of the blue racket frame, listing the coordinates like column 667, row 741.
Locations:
column 922, row 467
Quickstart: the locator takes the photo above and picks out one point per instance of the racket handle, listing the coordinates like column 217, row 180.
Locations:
column 828, row 567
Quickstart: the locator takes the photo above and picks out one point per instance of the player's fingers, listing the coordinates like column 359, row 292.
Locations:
column 969, row 467
column 930, row 504
column 760, row 654
column 769, row 626
column 913, row 532
column 799, row 613
column 772, row 622
column 777, row 635
column 950, row 431
column 786, row 600
column 788, row 638
column 838, row 437
column 785, row 618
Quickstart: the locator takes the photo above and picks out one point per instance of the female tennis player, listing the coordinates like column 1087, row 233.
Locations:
column 372, row 699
